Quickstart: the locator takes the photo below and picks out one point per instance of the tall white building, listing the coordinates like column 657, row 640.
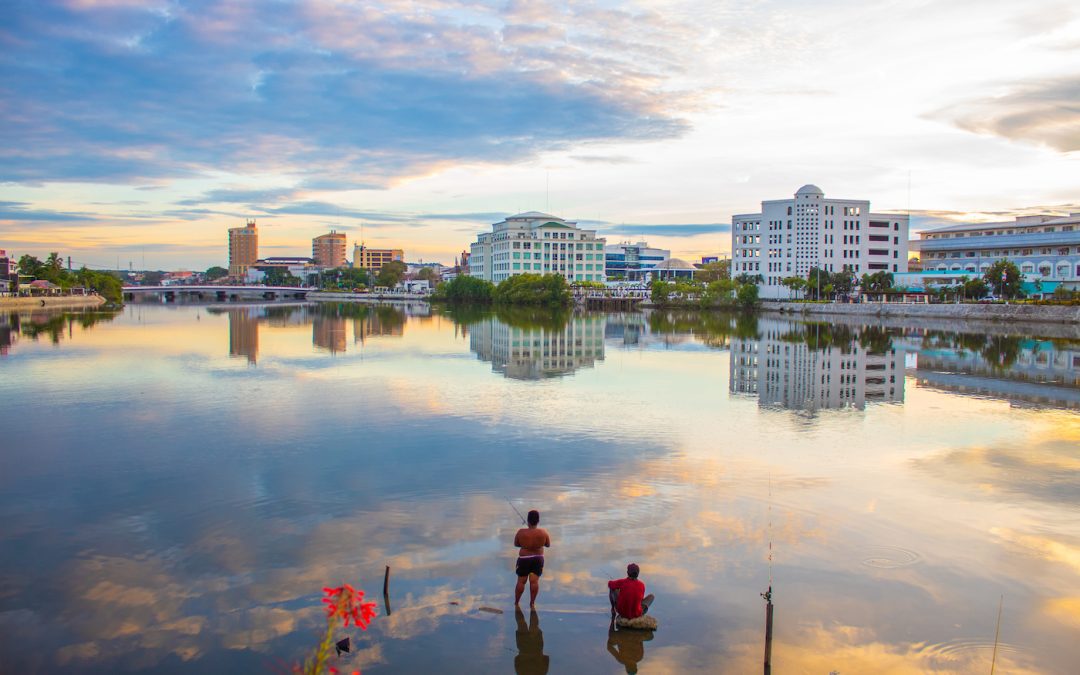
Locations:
column 790, row 236
column 537, row 243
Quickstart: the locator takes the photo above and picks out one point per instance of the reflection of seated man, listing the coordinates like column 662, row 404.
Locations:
column 627, row 646
column 627, row 596
column 531, row 659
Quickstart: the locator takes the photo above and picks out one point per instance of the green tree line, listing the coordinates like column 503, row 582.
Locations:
column 106, row 284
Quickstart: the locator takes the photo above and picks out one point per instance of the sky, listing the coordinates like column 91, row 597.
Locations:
column 136, row 132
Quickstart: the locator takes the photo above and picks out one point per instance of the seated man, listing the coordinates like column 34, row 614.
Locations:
column 627, row 596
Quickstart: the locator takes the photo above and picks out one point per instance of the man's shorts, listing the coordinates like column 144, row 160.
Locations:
column 531, row 565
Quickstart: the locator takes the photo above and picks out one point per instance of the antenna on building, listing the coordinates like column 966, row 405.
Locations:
column 547, row 192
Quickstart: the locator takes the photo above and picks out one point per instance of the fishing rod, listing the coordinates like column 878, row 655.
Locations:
column 516, row 510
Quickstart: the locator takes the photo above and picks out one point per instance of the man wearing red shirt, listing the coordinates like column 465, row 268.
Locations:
column 627, row 595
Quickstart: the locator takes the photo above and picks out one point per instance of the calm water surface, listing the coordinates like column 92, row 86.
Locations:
column 177, row 483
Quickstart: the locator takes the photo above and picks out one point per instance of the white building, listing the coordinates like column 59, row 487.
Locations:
column 537, row 243
column 1044, row 247
column 791, row 236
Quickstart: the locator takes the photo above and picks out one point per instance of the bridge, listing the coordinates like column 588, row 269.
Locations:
column 215, row 293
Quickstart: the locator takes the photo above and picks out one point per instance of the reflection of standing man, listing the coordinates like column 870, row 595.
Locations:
column 531, row 659
column 530, row 563
column 627, row 646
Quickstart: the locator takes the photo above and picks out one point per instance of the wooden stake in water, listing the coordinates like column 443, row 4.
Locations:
column 997, row 632
column 768, row 630
column 386, row 590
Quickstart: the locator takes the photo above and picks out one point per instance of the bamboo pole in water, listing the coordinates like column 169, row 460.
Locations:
column 997, row 632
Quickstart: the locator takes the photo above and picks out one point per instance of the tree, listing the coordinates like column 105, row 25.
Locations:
column 975, row 289
column 720, row 292
column 279, row 276
column 746, row 278
column 794, row 284
column 747, row 296
column 1004, row 278
column 428, row 274
column 30, row 266
column 817, row 280
column 533, row 289
column 464, row 289
column 391, row 274
column 714, row 271
column 878, row 282
column 661, row 291
column 843, row 282
column 353, row 277
column 216, row 272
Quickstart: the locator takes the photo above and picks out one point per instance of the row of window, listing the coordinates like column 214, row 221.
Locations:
column 991, row 233
column 1064, row 250
column 1044, row 269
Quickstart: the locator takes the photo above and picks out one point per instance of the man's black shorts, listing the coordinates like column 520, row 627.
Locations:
column 533, row 565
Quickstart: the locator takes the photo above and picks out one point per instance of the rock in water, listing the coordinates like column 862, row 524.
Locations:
column 643, row 622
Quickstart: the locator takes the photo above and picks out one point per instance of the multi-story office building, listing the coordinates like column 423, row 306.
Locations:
column 788, row 373
column 1045, row 247
column 632, row 261
column 328, row 250
column 537, row 243
column 243, row 249
column 538, row 352
column 791, row 236
column 374, row 258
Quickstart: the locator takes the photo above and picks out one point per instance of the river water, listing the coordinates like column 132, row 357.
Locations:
column 178, row 483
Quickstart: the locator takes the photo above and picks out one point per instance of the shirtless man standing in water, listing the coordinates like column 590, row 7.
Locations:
column 530, row 563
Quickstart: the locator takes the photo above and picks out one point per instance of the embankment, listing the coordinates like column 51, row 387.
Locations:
column 56, row 302
column 1022, row 313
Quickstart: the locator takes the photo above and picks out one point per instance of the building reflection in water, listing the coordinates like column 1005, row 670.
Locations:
column 530, row 659
column 244, row 332
column 328, row 332
column 9, row 331
column 817, row 366
column 1020, row 369
column 524, row 350
column 379, row 322
column 329, row 324
column 627, row 646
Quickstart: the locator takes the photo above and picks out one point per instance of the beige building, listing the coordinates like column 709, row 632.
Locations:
column 375, row 258
column 243, row 249
column 328, row 250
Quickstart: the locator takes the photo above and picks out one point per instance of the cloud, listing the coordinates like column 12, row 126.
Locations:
column 230, row 196
column 1045, row 112
column 342, row 96
column 19, row 211
column 684, row 230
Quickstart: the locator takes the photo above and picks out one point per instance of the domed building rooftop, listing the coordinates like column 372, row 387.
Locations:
column 536, row 215
column 809, row 189
column 674, row 264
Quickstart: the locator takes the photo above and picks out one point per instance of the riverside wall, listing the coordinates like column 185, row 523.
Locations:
column 52, row 302
column 1025, row 313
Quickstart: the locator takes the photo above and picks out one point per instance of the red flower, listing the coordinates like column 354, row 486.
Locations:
column 348, row 603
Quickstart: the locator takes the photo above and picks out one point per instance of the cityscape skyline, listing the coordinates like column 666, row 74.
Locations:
column 141, row 131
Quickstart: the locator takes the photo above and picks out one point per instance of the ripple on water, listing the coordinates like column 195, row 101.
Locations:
column 891, row 557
